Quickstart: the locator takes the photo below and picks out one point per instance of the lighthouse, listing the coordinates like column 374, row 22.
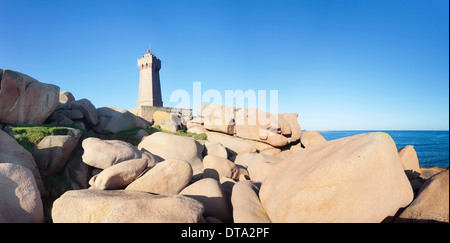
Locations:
column 149, row 82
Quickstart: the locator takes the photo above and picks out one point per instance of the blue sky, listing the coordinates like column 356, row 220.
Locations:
column 341, row 65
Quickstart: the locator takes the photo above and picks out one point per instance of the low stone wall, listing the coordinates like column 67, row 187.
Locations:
column 146, row 112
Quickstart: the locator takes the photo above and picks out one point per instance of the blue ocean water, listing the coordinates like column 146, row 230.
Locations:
column 432, row 147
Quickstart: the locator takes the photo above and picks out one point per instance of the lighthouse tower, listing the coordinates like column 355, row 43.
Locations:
column 149, row 84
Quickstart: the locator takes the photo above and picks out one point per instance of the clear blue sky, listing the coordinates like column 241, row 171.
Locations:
column 339, row 64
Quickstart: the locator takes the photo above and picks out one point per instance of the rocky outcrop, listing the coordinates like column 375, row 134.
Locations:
column 12, row 152
column 216, row 149
column 171, row 122
column 217, row 167
column 105, row 153
column 88, row 109
column 20, row 200
column 196, row 129
column 338, row 181
column 410, row 161
column 246, row 205
column 103, row 120
column 167, row 178
column 428, row 172
column 70, row 111
column 119, row 175
column 52, row 153
column 218, row 117
column 432, row 203
column 354, row 179
column 257, row 165
column 24, row 100
column 291, row 119
column 65, row 100
column 277, row 130
column 76, row 173
column 114, row 120
column 262, row 126
column 118, row 206
column 169, row 146
column 210, row 193
column 233, row 144
column 311, row 138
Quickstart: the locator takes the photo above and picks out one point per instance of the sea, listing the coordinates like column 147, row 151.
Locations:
column 432, row 147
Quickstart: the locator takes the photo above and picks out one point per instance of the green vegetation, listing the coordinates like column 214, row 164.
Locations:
column 128, row 136
column 30, row 136
column 195, row 136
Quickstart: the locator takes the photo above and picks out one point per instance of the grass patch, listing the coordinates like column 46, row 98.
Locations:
column 128, row 136
column 195, row 136
column 188, row 134
column 29, row 136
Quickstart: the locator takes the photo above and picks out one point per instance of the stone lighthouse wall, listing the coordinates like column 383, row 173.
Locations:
column 149, row 82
